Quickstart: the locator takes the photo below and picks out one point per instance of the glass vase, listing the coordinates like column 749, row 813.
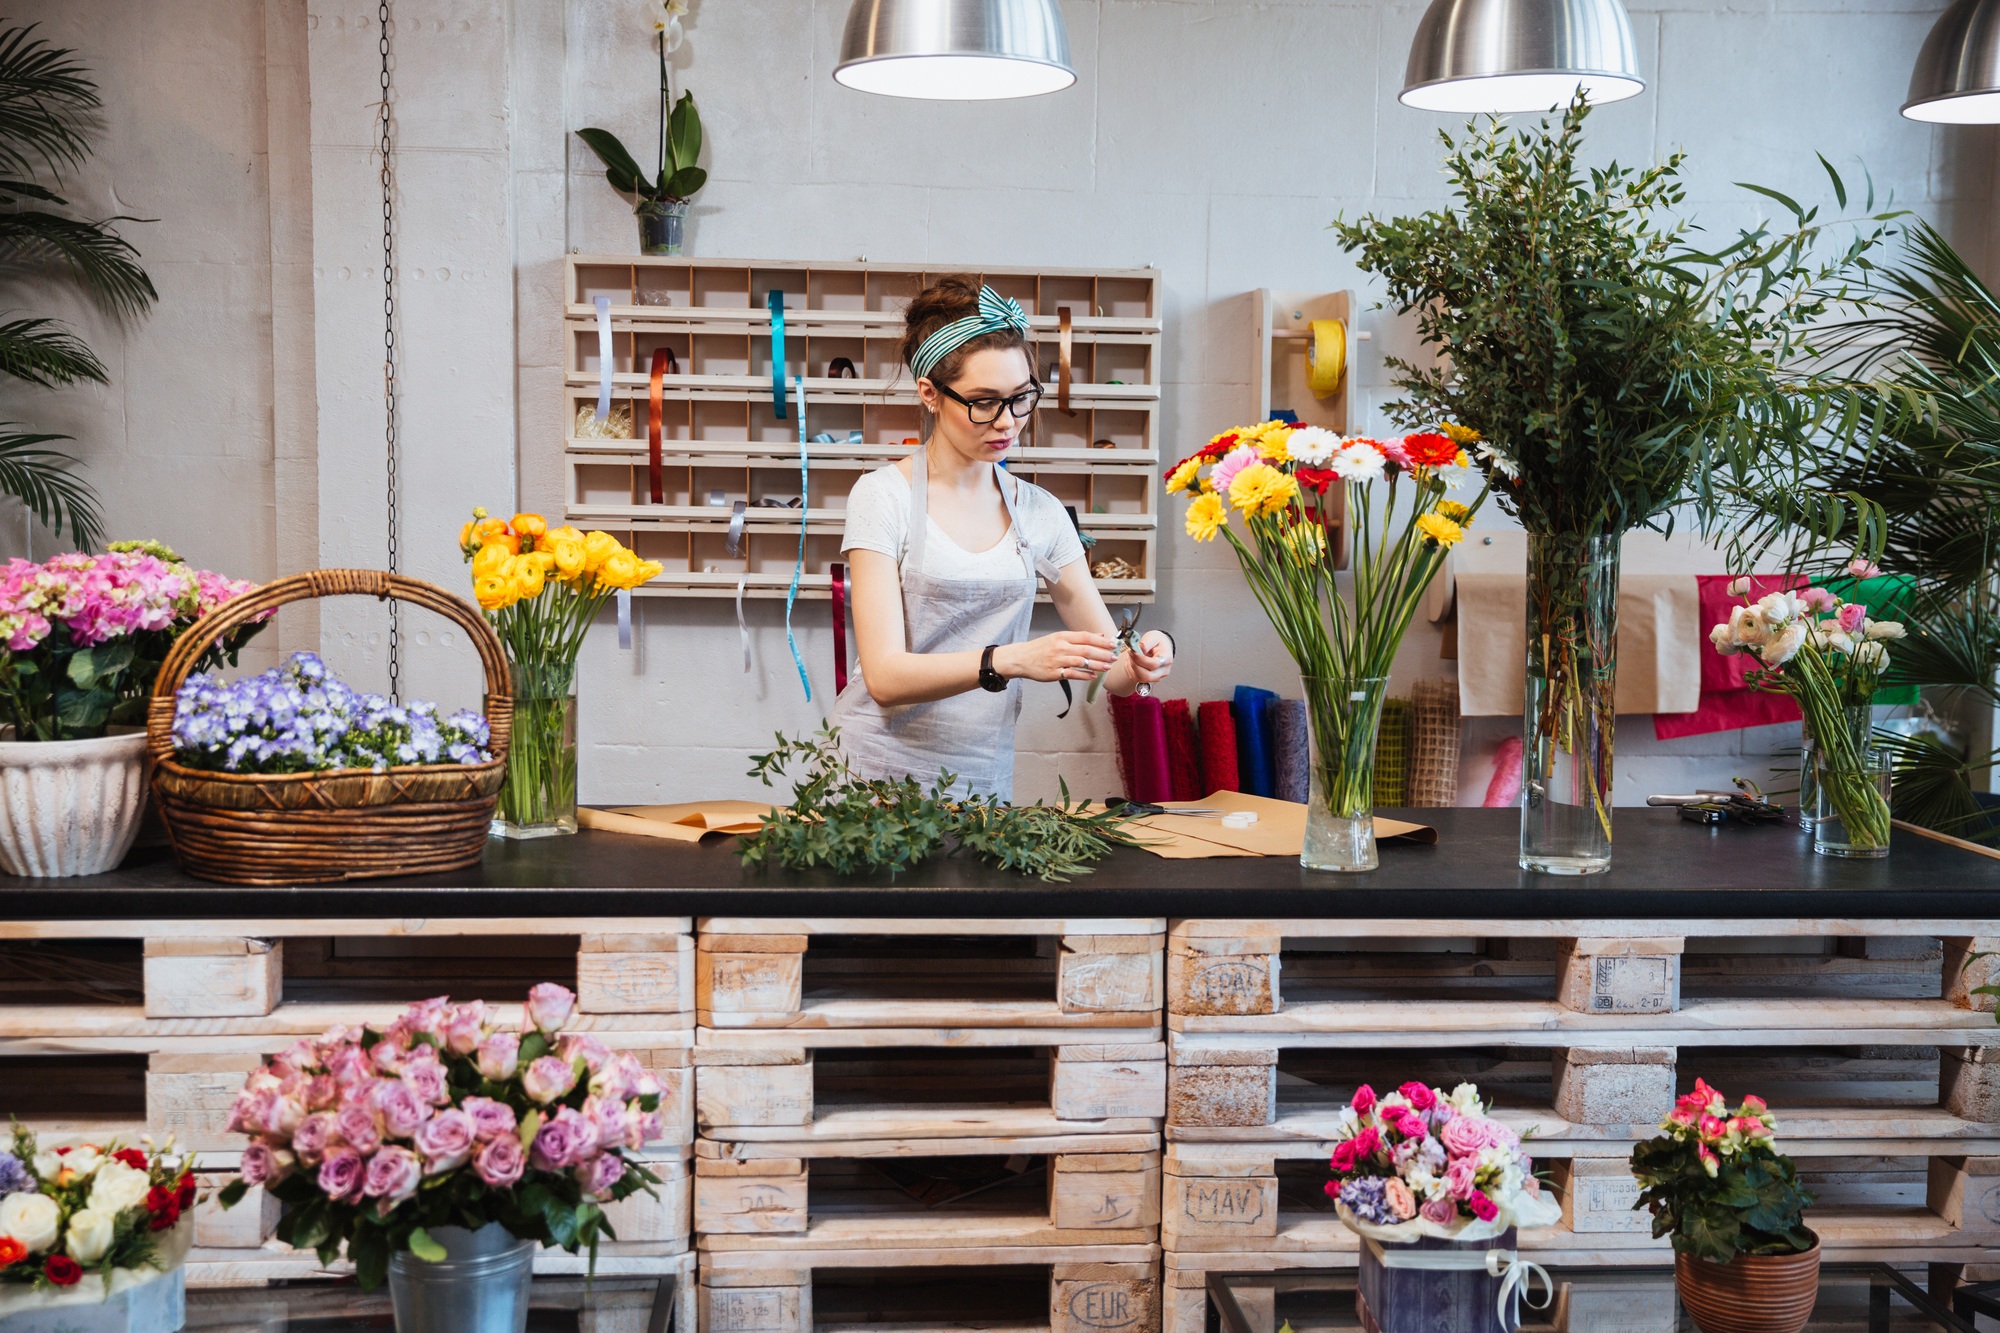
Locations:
column 538, row 798
column 1345, row 713
column 1851, row 818
column 661, row 222
column 1568, row 722
column 1860, row 722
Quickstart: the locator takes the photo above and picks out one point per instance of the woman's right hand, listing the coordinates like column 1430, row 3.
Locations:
column 1065, row 655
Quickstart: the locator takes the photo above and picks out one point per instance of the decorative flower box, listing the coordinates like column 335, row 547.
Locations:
column 140, row 1300
column 1426, row 1284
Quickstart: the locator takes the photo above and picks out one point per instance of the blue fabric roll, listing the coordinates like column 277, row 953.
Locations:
column 1254, row 760
column 1289, row 750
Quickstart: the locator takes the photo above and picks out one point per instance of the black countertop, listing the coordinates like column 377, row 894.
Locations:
column 1662, row 867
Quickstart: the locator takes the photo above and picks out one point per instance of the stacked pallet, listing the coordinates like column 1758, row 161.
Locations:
column 1871, row 1048
column 926, row 1120
column 127, row 1028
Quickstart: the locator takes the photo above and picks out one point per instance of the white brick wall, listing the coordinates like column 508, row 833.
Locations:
column 1210, row 137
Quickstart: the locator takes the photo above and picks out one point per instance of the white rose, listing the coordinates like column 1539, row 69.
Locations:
column 89, row 1235
column 1885, row 629
column 118, row 1187
column 30, row 1219
column 46, row 1164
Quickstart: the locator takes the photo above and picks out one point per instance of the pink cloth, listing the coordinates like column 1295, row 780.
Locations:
column 1727, row 701
column 1505, row 788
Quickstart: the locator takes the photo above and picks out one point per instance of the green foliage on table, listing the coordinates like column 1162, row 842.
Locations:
column 1615, row 367
column 851, row 825
column 48, row 117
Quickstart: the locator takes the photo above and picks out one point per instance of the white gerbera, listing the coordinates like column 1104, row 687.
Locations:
column 1312, row 445
column 1357, row 462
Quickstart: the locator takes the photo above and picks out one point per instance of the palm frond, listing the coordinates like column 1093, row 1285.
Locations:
column 104, row 262
column 47, row 105
column 41, row 479
column 44, row 352
column 1934, row 788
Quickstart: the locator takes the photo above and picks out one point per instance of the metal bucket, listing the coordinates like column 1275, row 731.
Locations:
column 481, row 1286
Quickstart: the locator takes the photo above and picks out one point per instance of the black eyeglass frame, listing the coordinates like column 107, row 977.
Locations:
column 1033, row 394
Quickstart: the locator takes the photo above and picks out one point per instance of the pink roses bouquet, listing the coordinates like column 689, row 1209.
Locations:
column 1419, row 1162
column 441, row 1119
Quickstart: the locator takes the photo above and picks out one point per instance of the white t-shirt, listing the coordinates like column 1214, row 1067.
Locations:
column 878, row 519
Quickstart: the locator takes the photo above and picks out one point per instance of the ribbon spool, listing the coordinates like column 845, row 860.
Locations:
column 1326, row 357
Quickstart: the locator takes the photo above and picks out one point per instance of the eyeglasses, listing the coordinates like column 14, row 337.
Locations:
column 986, row 411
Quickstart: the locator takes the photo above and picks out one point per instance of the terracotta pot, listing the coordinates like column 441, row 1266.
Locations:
column 1752, row 1293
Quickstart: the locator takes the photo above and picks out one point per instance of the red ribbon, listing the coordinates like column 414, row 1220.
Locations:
column 839, row 628
column 655, row 484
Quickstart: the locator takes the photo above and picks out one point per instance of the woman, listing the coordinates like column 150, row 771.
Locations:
column 946, row 548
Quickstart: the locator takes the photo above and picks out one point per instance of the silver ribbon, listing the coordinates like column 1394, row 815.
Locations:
column 603, row 357
column 624, row 617
column 734, row 542
column 1517, row 1275
column 742, row 625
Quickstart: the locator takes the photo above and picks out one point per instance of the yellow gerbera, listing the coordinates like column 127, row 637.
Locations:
column 1206, row 516
column 1247, row 487
column 1458, row 434
column 1307, row 543
column 1183, row 475
column 1271, row 440
column 1455, row 511
column 1440, row 529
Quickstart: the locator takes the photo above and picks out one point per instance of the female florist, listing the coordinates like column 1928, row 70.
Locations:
column 904, row 744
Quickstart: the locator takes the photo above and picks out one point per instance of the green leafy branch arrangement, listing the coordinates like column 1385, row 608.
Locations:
column 850, row 824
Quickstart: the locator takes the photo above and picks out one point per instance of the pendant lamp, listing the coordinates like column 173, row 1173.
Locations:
column 1957, row 78
column 1520, row 55
column 955, row 50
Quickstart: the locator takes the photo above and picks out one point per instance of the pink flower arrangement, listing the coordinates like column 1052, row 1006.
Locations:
column 1422, row 1162
column 372, row 1137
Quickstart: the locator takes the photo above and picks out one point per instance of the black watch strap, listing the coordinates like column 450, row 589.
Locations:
column 989, row 679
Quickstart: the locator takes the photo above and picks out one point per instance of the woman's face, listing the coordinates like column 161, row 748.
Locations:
column 988, row 375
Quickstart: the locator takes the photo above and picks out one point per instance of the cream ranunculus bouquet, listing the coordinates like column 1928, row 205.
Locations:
column 1419, row 1162
column 82, row 1221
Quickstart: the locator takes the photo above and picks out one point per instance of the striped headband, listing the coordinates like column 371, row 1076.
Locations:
column 996, row 313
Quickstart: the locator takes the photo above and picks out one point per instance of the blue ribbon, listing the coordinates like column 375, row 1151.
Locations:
column 778, row 355
column 799, row 569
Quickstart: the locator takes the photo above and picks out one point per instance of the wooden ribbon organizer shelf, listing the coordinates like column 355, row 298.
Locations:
column 293, row 828
column 707, row 415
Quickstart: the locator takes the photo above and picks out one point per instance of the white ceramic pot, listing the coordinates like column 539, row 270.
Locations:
column 70, row 807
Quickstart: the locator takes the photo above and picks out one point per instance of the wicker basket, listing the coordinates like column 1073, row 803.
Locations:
column 302, row 828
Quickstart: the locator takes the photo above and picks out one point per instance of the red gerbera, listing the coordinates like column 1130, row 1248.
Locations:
column 1430, row 449
column 132, row 1157
column 1220, row 445
column 1315, row 478
column 62, row 1270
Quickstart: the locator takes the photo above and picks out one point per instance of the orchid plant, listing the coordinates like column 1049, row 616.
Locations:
column 443, row 1119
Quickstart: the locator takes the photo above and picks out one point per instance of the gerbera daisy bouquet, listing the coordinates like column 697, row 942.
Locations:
column 1291, row 501
column 1420, row 1162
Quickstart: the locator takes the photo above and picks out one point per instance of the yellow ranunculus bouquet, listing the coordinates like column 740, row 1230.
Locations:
column 541, row 587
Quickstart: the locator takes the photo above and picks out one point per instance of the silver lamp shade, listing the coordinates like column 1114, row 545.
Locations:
column 1520, row 55
column 1957, row 79
column 955, row 50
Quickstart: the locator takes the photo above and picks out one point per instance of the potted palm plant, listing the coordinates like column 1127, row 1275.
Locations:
column 1714, row 1180
column 48, row 108
column 661, row 197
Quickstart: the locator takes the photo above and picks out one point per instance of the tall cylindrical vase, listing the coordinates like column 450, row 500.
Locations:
column 1568, row 722
column 538, row 798
column 480, row 1286
column 1345, row 713
column 1860, row 723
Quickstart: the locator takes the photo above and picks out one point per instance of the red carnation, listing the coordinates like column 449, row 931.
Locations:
column 1430, row 449
column 184, row 1194
column 132, row 1157
column 165, row 1207
column 62, row 1270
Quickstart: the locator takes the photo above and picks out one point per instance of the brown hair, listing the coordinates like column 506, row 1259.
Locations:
column 946, row 301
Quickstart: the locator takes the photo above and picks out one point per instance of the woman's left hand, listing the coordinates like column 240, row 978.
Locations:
column 1152, row 658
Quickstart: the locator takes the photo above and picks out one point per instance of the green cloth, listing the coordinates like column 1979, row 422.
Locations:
column 1887, row 597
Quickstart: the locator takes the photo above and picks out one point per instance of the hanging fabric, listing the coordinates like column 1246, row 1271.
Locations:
column 839, row 627
column 1063, row 337
column 603, row 357
column 798, row 569
column 778, row 358
column 656, row 397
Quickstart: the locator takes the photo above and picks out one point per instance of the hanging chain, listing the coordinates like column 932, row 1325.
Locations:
column 389, row 350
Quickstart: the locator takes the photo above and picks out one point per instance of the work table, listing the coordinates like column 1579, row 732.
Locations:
column 1664, row 868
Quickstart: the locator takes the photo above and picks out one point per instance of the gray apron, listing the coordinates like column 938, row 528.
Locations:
column 969, row 735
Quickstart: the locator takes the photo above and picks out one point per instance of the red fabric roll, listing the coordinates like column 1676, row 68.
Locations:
column 1218, row 748
column 1143, row 737
column 1183, row 757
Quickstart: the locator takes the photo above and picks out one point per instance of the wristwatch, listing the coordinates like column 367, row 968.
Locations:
column 989, row 679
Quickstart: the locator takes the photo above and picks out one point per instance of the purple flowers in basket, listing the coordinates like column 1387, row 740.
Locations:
column 298, row 718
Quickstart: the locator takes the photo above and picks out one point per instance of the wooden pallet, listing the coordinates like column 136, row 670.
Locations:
column 177, row 970
column 777, row 1198
column 777, row 1094
column 829, row 975
column 616, row 1304
column 1106, row 1288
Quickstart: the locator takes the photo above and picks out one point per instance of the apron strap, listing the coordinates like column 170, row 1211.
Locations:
column 1044, row 567
column 920, row 487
